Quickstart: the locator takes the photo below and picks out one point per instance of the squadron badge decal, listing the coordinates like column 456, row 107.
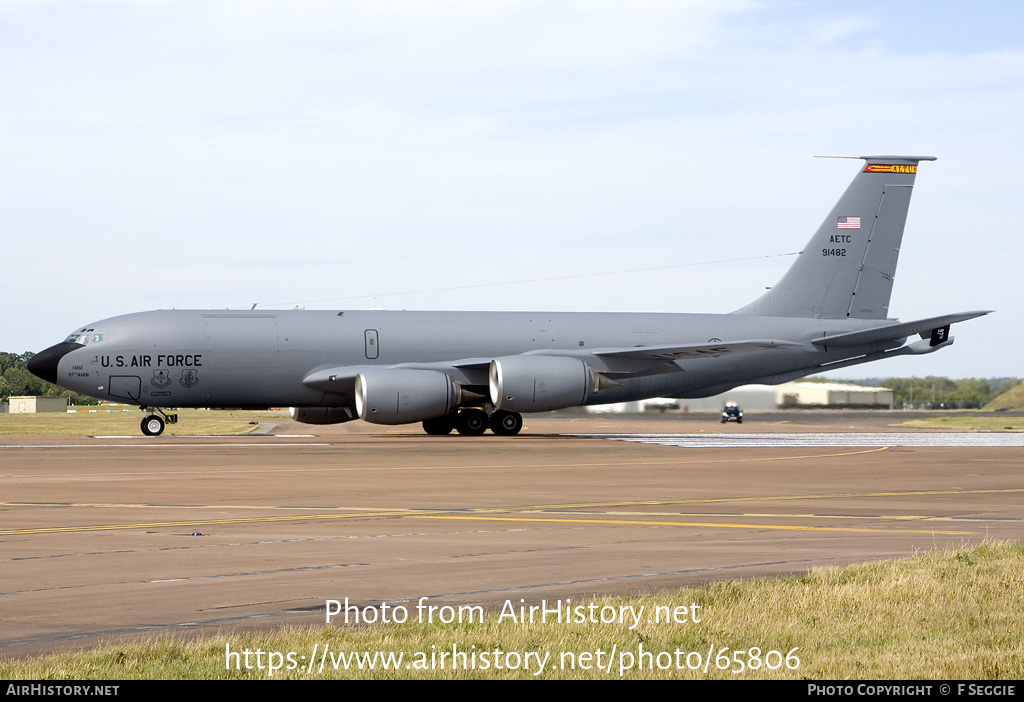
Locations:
column 189, row 378
column 161, row 379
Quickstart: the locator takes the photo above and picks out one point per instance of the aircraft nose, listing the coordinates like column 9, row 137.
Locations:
column 44, row 363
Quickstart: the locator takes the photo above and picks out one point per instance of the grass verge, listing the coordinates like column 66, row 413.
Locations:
column 125, row 422
column 967, row 423
column 938, row 615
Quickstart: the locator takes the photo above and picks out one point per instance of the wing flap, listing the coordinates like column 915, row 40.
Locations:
column 677, row 352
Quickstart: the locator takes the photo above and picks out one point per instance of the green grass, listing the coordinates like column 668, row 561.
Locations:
column 968, row 423
column 1012, row 399
column 125, row 421
column 938, row 615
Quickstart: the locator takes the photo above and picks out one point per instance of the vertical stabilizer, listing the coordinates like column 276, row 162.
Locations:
column 847, row 268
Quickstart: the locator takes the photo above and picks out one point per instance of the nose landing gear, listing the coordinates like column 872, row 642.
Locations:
column 153, row 424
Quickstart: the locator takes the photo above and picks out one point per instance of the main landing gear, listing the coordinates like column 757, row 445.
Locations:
column 153, row 424
column 506, row 423
column 473, row 421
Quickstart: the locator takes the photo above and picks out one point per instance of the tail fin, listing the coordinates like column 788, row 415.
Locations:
column 847, row 268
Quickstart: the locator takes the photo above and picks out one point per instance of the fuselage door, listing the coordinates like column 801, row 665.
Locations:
column 372, row 350
column 125, row 387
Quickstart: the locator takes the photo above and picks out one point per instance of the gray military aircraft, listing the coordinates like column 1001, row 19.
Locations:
column 471, row 371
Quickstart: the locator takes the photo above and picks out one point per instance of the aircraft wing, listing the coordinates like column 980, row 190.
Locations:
column 473, row 371
column 892, row 332
column 632, row 360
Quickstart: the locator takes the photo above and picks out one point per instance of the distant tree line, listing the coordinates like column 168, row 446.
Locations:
column 939, row 392
column 16, row 380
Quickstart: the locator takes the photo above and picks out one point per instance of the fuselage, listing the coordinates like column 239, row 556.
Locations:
column 215, row 358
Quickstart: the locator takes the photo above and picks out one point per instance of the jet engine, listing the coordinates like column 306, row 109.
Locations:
column 404, row 395
column 322, row 415
column 540, row 383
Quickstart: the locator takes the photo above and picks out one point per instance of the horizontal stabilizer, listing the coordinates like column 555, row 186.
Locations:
column 892, row 332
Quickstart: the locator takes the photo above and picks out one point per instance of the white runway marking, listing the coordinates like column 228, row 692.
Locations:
column 212, row 436
column 936, row 439
column 248, row 444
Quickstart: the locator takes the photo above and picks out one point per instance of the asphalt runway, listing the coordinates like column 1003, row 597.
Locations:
column 106, row 538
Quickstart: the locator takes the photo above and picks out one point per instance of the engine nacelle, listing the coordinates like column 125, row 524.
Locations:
column 540, row 383
column 322, row 415
column 403, row 395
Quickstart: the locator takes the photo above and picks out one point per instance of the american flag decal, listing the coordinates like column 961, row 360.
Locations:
column 849, row 222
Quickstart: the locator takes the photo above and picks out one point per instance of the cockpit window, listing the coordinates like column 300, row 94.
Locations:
column 85, row 336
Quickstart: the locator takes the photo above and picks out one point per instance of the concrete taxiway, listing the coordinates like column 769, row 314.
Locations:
column 102, row 538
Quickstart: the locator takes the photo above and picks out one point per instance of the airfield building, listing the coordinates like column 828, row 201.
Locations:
column 28, row 404
column 797, row 395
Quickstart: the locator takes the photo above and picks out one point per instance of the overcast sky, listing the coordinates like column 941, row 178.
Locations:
column 593, row 156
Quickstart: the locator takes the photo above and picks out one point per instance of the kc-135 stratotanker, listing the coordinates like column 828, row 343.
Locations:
column 471, row 371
